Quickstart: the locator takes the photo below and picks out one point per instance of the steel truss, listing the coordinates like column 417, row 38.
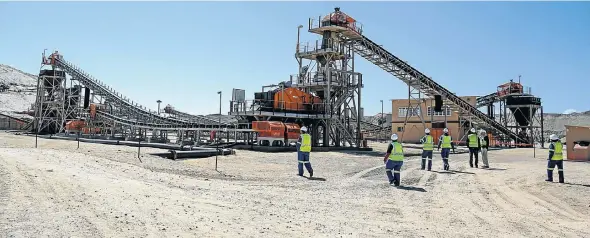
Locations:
column 327, row 70
column 350, row 33
column 530, row 133
column 115, row 114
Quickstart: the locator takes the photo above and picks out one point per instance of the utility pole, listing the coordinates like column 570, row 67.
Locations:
column 382, row 119
column 159, row 101
column 218, row 129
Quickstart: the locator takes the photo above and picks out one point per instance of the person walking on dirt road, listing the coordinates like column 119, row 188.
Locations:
column 427, row 147
column 484, row 141
column 473, row 144
column 303, row 150
column 555, row 159
column 446, row 142
column 394, row 159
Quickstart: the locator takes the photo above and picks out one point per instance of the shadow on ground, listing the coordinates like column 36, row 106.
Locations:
column 410, row 188
column 376, row 153
column 499, row 169
column 578, row 184
column 316, row 179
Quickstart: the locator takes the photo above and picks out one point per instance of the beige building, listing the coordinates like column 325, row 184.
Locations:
column 435, row 121
column 577, row 139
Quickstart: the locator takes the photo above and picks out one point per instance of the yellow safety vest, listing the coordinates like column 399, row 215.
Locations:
column 483, row 142
column 473, row 141
column 446, row 142
column 429, row 143
column 305, row 143
column 397, row 153
column 558, row 151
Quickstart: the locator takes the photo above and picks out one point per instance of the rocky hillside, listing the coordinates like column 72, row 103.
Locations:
column 17, row 90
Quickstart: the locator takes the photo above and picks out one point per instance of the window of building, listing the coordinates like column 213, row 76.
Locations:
column 445, row 109
column 402, row 111
column 400, row 129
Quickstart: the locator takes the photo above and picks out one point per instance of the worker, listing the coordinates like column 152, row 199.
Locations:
column 394, row 159
column 555, row 158
column 446, row 142
column 303, row 150
column 427, row 147
column 484, row 141
column 473, row 144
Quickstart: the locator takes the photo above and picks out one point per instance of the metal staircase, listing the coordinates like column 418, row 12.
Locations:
column 377, row 55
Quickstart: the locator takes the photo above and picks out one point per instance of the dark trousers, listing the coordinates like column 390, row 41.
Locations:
column 303, row 159
column 444, row 153
column 473, row 152
column 427, row 154
column 551, row 165
column 396, row 167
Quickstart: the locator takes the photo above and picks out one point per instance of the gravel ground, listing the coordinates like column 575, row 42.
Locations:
column 105, row 191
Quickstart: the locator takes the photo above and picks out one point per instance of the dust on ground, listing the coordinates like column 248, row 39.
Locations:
column 105, row 191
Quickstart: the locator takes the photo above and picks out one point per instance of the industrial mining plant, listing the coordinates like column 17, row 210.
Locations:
column 324, row 95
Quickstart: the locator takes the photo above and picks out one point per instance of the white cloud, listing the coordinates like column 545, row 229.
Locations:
column 569, row 111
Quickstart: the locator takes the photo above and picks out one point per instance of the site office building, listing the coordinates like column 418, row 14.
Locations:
column 414, row 130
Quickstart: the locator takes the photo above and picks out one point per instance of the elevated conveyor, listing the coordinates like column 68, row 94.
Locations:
column 374, row 53
column 487, row 100
column 126, row 111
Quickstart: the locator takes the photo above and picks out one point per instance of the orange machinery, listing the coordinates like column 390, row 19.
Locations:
column 80, row 126
column 94, row 107
column 509, row 88
column 275, row 133
column 295, row 100
column 339, row 18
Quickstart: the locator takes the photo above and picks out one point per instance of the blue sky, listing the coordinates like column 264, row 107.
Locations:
column 183, row 53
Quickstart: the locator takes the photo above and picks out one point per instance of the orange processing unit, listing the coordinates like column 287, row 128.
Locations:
column 275, row 133
column 292, row 99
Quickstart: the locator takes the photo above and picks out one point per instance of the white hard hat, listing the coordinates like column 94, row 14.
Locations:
column 394, row 137
column 303, row 128
column 473, row 130
column 553, row 137
column 446, row 130
column 426, row 130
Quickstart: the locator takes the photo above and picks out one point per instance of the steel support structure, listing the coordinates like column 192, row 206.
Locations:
column 327, row 70
column 109, row 113
column 532, row 132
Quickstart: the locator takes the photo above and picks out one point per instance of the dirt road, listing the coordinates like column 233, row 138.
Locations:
column 103, row 191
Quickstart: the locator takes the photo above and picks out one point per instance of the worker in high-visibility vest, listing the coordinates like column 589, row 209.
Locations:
column 484, row 141
column 555, row 158
column 446, row 142
column 303, row 150
column 394, row 159
column 427, row 147
column 474, row 145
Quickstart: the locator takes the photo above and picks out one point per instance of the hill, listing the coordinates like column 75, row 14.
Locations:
column 18, row 91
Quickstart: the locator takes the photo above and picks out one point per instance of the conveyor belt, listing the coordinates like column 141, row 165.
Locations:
column 377, row 55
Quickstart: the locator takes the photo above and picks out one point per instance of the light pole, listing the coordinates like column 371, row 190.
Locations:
column 298, row 34
column 159, row 101
column 382, row 118
column 218, row 129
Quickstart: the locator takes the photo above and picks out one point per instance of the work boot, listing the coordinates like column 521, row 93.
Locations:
column 391, row 183
column 561, row 179
column 549, row 180
column 396, row 183
column 311, row 174
column 476, row 166
column 423, row 164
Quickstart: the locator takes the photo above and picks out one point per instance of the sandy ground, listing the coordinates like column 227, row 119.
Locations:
column 57, row 190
